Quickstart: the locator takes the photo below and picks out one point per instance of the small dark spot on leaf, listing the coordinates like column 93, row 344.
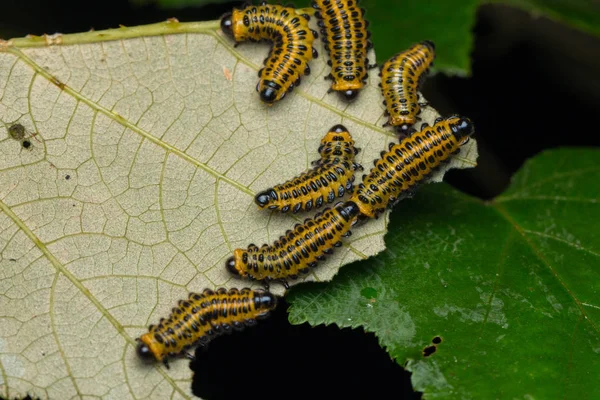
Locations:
column 436, row 340
column 67, row 177
column 429, row 350
column 16, row 131
column 26, row 144
column 12, row 259
column 58, row 83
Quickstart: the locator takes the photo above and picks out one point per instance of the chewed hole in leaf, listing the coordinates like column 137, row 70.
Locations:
column 429, row 350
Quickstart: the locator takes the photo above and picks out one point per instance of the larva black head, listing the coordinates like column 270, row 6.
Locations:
column 144, row 352
column 429, row 43
column 230, row 265
column 404, row 128
column 339, row 128
column 349, row 94
column 265, row 300
column 349, row 210
column 268, row 95
column 263, row 199
column 226, row 24
column 269, row 91
column 463, row 128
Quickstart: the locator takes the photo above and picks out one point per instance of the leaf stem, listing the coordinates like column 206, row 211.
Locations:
column 169, row 27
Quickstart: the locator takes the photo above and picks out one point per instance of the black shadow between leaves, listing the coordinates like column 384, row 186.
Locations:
column 276, row 360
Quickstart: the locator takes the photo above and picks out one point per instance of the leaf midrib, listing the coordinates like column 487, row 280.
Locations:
column 210, row 30
column 129, row 125
column 539, row 254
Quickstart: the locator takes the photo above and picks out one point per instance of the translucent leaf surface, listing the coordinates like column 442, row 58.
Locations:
column 485, row 300
column 146, row 152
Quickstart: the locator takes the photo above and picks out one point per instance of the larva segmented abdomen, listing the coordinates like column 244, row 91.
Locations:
column 299, row 249
column 330, row 178
column 401, row 77
column 202, row 317
column 292, row 47
column 410, row 162
column 344, row 34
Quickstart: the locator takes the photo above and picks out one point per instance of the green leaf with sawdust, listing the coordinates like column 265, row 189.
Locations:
column 485, row 300
column 581, row 14
column 147, row 147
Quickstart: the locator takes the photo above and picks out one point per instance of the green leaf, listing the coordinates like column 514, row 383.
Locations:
column 396, row 25
column 147, row 146
column 582, row 14
column 512, row 286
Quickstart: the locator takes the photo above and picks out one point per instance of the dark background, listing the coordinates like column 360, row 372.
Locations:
column 535, row 85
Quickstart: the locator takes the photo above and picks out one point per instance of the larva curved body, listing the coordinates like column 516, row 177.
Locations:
column 331, row 177
column 401, row 78
column 344, row 34
column 409, row 163
column 201, row 318
column 299, row 249
column 292, row 45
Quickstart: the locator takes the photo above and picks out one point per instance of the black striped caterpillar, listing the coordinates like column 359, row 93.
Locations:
column 410, row 162
column 331, row 177
column 299, row 249
column 201, row 318
column 344, row 34
column 292, row 45
column 401, row 77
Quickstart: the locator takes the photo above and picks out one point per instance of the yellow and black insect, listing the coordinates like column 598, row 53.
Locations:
column 344, row 34
column 401, row 77
column 299, row 249
column 291, row 50
column 201, row 318
column 331, row 177
column 410, row 162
